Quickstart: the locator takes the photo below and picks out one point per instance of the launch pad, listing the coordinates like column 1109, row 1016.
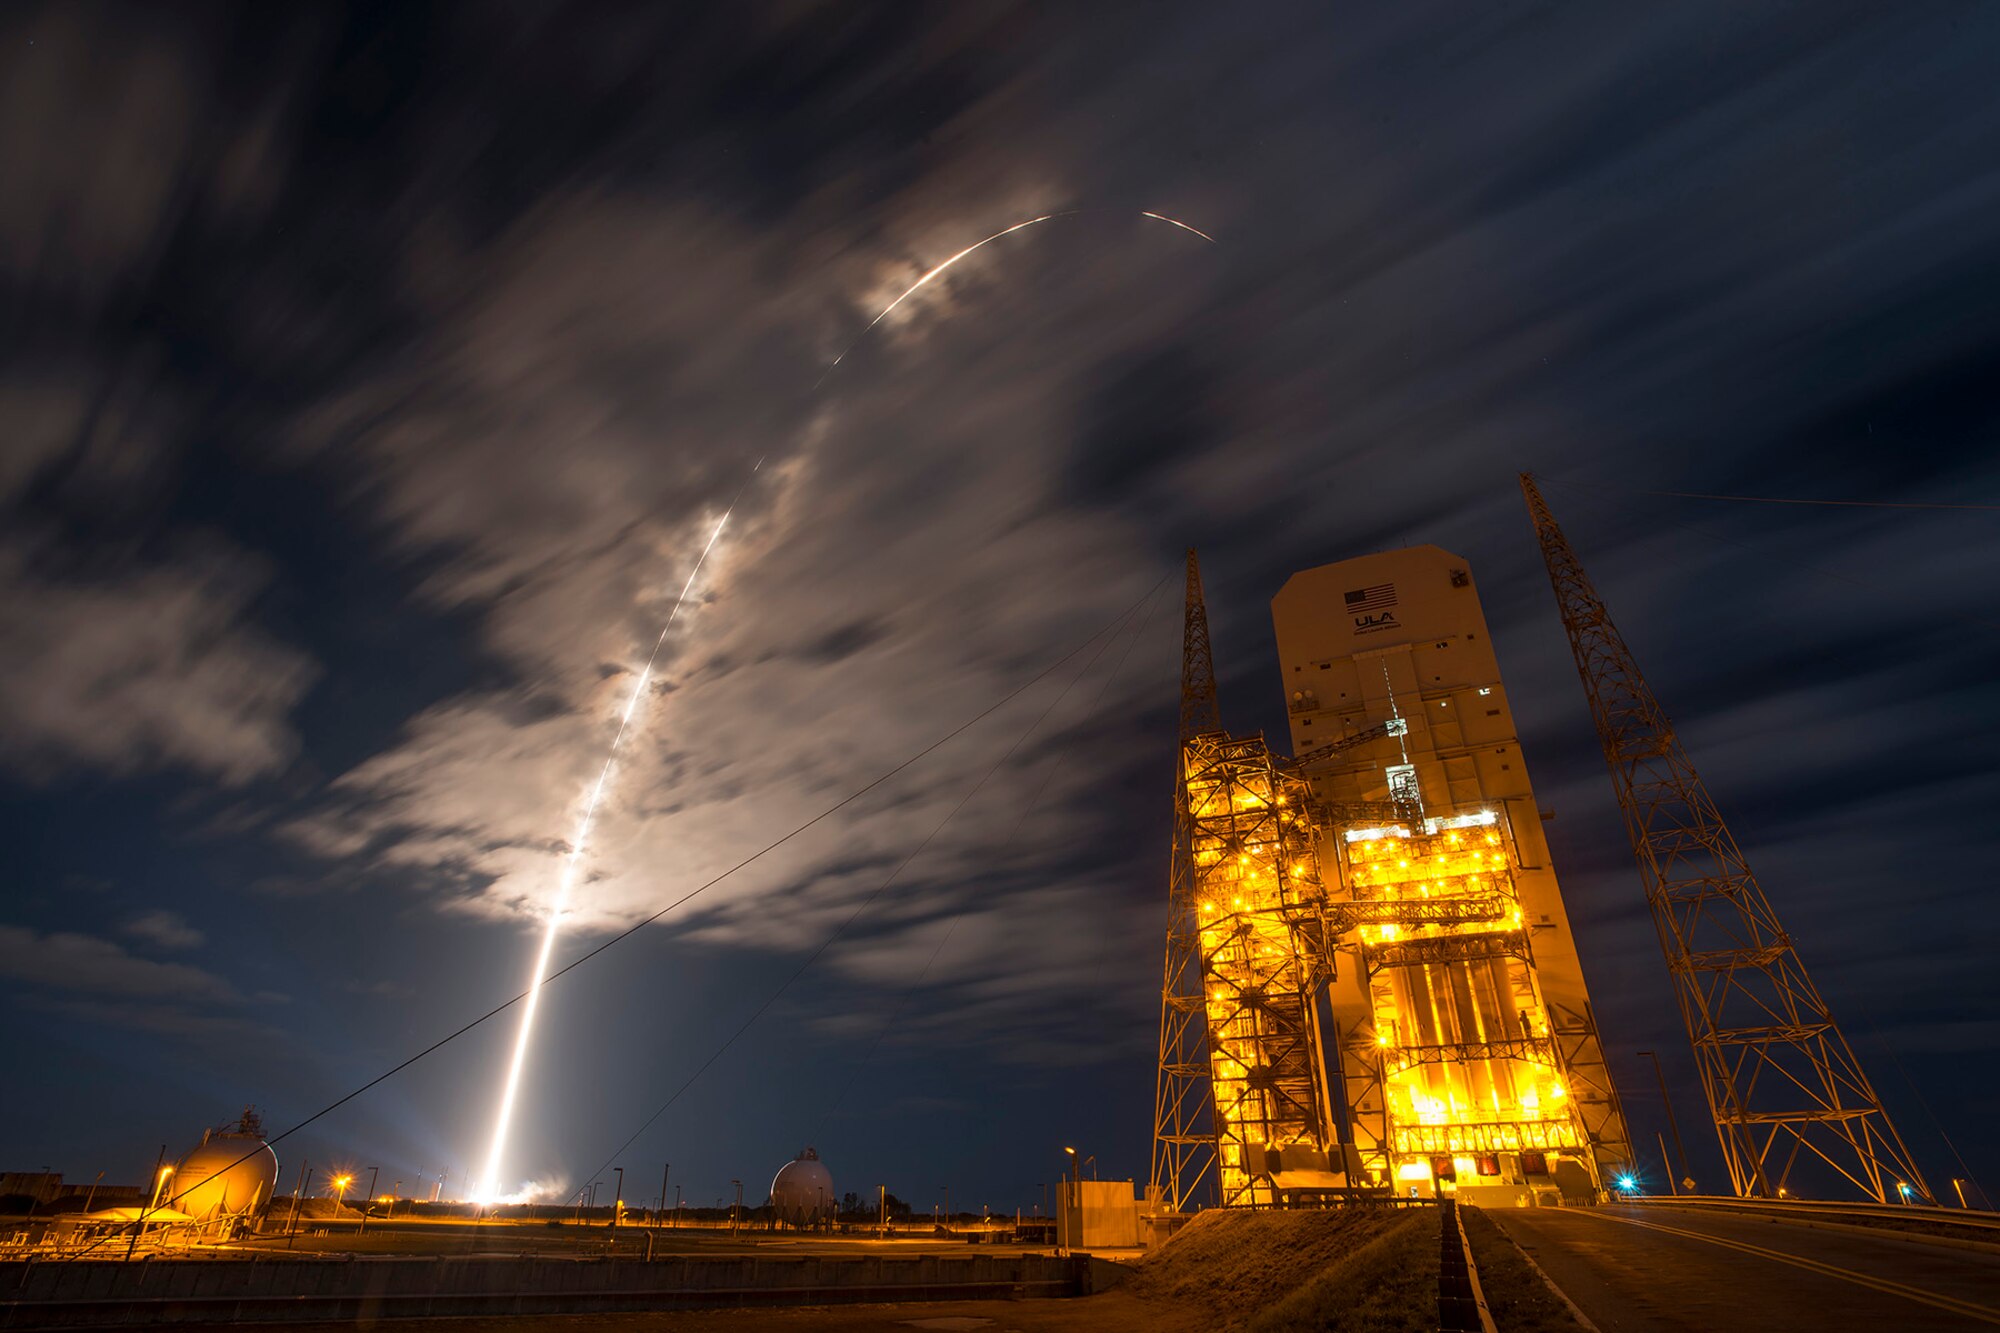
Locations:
column 1385, row 902
column 1376, row 891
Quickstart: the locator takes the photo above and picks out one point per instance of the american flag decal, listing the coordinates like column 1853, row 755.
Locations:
column 1378, row 598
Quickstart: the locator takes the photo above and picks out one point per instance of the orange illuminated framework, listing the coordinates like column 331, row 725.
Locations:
column 1461, row 1058
column 1262, row 930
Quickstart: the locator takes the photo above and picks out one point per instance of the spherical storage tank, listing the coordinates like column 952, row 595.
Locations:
column 231, row 1173
column 802, row 1192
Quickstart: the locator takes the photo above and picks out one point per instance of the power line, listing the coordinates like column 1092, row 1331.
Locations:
column 860, row 1067
column 1924, row 1102
column 1845, row 504
column 1109, row 627
column 841, row 930
column 1708, row 534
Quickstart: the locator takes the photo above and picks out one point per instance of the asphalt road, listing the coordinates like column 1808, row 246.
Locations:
column 1655, row 1269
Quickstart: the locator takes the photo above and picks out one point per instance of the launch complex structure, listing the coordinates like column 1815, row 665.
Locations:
column 1370, row 983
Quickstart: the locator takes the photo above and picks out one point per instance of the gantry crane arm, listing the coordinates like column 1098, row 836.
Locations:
column 1395, row 726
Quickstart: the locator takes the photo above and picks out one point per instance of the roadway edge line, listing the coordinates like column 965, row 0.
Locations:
column 1801, row 1215
column 1547, row 1281
column 1965, row 1243
column 1950, row 1304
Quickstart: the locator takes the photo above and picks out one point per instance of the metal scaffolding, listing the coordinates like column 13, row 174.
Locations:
column 1461, row 1057
column 1779, row 1077
column 1261, row 926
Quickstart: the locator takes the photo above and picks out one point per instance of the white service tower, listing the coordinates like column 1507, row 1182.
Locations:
column 1468, row 1052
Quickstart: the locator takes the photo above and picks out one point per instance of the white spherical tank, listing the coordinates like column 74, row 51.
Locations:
column 802, row 1192
column 232, row 1173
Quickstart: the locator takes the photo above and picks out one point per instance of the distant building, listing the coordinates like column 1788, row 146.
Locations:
column 1468, row 1049
column 41, row 1186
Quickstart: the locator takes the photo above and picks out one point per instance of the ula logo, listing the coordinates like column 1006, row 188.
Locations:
column 1373, row 607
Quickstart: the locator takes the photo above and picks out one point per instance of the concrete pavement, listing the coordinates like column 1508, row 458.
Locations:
column 1684, row 1270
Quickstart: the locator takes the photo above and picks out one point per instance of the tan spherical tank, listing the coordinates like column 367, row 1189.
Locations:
column 231, row 1173
column 802, row 1192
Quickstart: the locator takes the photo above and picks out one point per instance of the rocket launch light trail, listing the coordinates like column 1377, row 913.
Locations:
column 489, row 1187
column 1176, row 222
column 925, row 281
column 486, row 1189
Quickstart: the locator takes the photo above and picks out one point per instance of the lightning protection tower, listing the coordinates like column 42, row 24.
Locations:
column 1242, row 1081
column 1183, row 1109
column 1780, row 1078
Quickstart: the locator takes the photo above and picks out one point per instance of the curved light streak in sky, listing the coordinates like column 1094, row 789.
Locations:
column 1176, row 222
column 487, row 1184
column 925, row 281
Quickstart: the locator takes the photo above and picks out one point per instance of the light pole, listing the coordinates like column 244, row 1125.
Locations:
column 1680, row 1150
column 1062, row 1219
column 882, row 1195
column 947, row 1206
column 665, row 1171
column 736, row 1209
column 305, row 1183
column 340, row 1184
column 368, row 1204
column 160, row 1173
column 100, row 1175
column 677, row 1207
column 618, row 1196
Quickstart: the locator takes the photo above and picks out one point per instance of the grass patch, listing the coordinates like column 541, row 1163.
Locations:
column 1520, row 1301
column 1389, row 1285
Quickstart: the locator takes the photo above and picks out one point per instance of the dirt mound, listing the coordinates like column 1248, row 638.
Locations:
column 1236, row 1262
column 1389, row 1285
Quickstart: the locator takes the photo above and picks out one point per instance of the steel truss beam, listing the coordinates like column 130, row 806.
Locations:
column 1260, row 905
column 1780, row 1080
column 1183, row 1105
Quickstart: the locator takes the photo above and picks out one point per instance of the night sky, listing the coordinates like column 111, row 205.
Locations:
column 374, row 377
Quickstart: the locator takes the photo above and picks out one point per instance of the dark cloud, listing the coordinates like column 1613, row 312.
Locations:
column 66, row 960
column 152, row 666
column 163, row 929
column 844, row 641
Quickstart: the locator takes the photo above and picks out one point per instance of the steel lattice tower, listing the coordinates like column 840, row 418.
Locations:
column 1183, row 1104
column 1779, row 1077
